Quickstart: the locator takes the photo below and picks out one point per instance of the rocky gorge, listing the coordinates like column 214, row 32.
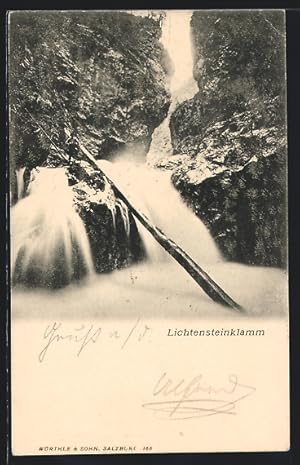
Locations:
column 105, row 78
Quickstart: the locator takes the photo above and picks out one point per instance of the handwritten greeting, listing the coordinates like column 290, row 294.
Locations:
column 87, row 334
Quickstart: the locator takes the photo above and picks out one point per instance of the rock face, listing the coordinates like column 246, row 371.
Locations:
column 231, row 136
column 102, row 74
column 111, row 228
column 103, row 77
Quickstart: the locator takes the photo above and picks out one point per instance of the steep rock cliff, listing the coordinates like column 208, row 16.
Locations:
column 102, row 74
column 230, row 138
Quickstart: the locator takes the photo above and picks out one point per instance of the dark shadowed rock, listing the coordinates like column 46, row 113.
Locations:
column 103, row 74
column 231, row 136
column 245, row 210
column 111, row 228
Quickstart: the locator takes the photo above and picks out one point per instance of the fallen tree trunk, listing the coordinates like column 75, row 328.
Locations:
column 211, row 288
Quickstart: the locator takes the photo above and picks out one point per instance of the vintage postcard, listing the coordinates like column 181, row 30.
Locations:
column 148, row 226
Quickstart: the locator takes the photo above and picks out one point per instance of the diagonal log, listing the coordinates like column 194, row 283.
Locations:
column 212, row 289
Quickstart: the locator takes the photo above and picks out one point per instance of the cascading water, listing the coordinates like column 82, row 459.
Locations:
column 151, row 191
column 50, row 246
column 119, row 204
column 49, row 241
column 48, row 236
column 150, row 188
column 20, row 182
column 182, row 83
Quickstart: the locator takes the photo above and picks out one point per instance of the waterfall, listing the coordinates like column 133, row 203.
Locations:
column 176, row 39
column 151, row 191
column 50, row 246
column 125, row 216
column 151, row 188
column 20, row 182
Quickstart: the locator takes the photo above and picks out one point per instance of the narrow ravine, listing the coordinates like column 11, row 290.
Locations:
column 157, row 285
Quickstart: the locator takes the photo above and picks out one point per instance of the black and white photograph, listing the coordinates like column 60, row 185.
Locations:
column 148, row 230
